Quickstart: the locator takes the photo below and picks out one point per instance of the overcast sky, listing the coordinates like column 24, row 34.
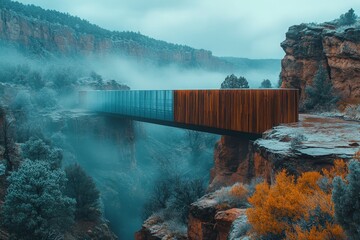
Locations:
column 251, row 28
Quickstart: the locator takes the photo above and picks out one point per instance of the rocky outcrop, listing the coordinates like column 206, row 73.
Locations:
column 212, row 217
column 337, row 49
column 154, row 228
column 311, row 144
column 91, row 230
column 225, row 219
column 236, row 161
column 202, row 218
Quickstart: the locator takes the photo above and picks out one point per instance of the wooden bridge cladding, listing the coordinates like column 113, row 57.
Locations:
column 241, row 110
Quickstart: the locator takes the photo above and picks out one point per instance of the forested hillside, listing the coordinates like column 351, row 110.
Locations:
column 51, row 33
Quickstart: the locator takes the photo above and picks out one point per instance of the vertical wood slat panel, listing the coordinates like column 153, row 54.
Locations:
column 243, row 110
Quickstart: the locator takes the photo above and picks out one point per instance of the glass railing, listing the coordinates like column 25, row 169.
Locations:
column 154, row 104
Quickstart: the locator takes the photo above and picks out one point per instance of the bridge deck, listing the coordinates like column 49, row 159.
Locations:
column 233, row 111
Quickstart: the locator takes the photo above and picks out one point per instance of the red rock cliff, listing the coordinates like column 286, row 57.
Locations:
column 51, row 38
column 336, row 48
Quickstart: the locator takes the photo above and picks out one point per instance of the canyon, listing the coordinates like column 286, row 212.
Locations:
column 313, row 143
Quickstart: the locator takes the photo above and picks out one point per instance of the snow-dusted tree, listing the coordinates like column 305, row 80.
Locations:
column 21, row 102
column 37, row 149
column 82, row 188
column 234, row 82
column 35, row 205
column 346, row 198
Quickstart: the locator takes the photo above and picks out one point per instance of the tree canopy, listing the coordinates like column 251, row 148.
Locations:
column 82, row 188
column 35, row 206
column 266, row 84
column 234, row 82
column 348, row 18
column 37, row 149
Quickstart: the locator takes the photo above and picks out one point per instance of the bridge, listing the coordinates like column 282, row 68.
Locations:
column 235, row 112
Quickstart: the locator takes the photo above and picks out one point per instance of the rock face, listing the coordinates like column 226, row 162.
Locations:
column 236, row 161
column 41, row 37
column 337, row 49
column 225, row 219
column 311, row 144
column 211, row 218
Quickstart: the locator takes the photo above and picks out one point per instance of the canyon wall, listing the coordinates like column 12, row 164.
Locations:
column 45, row 38
column 337, row 49
column 311, row 144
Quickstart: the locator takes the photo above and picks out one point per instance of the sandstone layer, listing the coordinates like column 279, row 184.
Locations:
column 337, row 49
column 41, row 37
column 311, row 144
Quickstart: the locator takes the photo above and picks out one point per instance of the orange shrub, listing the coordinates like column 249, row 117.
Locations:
column 281, row 209
column 339, row 169
column 330, row 232
column 239, row 191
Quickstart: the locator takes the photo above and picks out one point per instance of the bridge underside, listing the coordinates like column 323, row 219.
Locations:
column 240, row 112
column 251, row 136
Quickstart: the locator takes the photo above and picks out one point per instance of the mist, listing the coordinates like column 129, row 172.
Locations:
column 126, row 159
column 150, row 77
column 125, row 171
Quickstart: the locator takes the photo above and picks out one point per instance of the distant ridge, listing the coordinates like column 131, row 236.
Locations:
column 52, row 33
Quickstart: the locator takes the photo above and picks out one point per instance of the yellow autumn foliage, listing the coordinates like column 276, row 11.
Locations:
column 277, row 209
column 339, row 169
column 239, row 191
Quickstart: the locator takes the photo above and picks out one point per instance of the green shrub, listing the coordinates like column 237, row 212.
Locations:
column 346, row 198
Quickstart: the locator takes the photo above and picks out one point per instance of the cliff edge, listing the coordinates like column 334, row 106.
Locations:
column 336, row 48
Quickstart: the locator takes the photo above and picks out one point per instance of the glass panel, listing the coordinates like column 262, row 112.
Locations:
column 148, row 104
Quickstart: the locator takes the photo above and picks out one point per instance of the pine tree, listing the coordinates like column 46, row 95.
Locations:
column 82, row 188
column 234, row 82
column 266, row 84
column 35, row 206
column 348, row 18
column 320, row 94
